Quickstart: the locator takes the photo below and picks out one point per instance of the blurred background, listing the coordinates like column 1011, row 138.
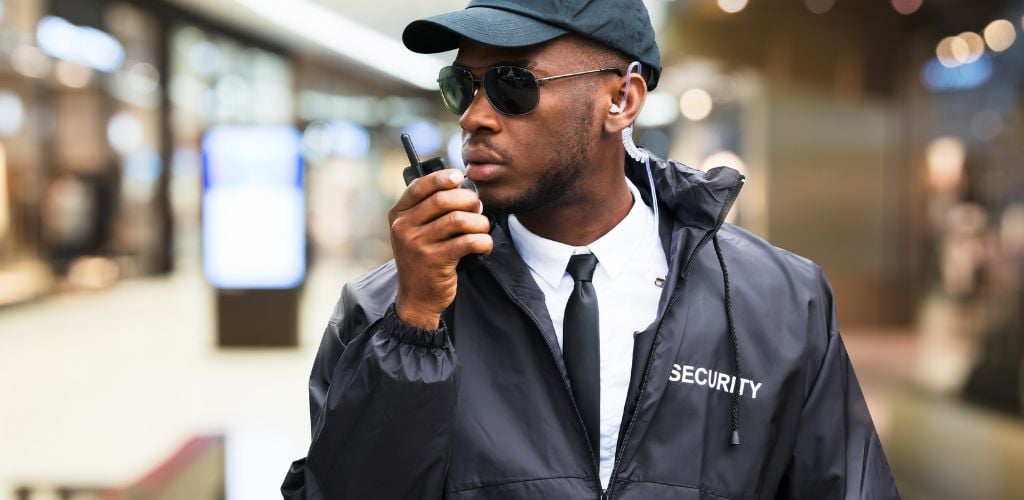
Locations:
column 185, row 185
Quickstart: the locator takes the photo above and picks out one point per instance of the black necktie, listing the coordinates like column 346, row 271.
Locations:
column 581, row 345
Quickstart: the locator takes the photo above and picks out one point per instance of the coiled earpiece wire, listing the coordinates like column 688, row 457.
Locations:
column 636, row 153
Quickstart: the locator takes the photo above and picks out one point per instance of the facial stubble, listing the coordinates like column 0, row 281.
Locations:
column 561, row 179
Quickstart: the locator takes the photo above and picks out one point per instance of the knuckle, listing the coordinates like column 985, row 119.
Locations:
column 456, row 219
column 440, row 200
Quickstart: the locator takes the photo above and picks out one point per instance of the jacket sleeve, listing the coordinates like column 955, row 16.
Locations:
column 837, row 454
column 382, row 401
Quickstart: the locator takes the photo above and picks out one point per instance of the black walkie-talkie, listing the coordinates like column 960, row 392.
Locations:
column 418, row 169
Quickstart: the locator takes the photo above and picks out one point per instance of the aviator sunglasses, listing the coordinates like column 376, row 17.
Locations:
column 510, row 89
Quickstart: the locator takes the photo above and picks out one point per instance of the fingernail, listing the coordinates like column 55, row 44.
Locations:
column 455, row 176
column 480, row 210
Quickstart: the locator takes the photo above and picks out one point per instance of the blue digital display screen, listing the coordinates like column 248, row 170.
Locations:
column 254, row 225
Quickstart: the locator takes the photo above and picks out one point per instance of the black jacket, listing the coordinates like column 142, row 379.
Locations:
column 483, row 408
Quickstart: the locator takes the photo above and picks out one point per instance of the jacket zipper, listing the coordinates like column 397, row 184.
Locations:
column 681, row 287
column 565, row 381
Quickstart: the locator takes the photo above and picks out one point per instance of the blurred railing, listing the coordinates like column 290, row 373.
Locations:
column 195, row 472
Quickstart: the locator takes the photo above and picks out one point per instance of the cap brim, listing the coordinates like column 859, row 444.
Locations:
column 485, row 25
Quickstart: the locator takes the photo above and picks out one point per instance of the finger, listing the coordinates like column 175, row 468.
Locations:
column 455, row 224
column 461, row 246
column 427, row 185
column 441, row 203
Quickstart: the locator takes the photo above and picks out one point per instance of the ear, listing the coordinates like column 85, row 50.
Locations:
column 635, row 92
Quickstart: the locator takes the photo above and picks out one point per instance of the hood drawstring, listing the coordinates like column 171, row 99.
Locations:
column 735, row 438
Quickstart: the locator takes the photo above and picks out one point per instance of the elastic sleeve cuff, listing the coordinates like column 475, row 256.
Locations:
column 410, row 334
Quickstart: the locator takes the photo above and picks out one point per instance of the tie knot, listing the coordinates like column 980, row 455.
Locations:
column 581, row 266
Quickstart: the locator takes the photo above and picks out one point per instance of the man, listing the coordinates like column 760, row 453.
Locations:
column 580, row 346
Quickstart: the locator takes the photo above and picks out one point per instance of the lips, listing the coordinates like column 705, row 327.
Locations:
column 482, row 172
column 482, row 166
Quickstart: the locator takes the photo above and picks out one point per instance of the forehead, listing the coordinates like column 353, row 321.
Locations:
column 477, row 55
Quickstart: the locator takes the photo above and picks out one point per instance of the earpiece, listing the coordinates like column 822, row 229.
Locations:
column 615, row 109
column 627, row 133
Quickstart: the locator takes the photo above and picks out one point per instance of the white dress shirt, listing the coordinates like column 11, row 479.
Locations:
column 630, row 257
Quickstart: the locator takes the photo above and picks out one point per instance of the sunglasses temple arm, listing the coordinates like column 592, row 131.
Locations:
column 581, row 73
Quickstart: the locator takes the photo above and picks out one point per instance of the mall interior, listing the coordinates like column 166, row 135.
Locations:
column 185, row 185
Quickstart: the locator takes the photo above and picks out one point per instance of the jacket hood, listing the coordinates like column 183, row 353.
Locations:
column 693, row 197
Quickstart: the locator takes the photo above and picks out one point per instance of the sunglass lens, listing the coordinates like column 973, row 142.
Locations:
column 456, row 88
column 512, row 90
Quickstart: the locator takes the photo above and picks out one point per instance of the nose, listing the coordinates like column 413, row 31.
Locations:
column 480, row 115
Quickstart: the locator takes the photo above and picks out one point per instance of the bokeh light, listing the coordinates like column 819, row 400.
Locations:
column 72, row 74
column 12, row 113
column 971, row 49
column 906, row 7
column 945, row 159
column 29, row 61
column 124, row 132
column 944, row 51
column 695, row 104
column 960, row 49
column 732, row 6
column 1000, row 35
column 819, row 6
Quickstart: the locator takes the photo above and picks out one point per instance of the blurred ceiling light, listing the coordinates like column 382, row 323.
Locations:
column 944, row 51
column 1000, row 35
column 695, row 104
column 975, row 46
column 732, row 6
column 906, row 7
column 124, row 132
column 945, row 159
column 12, row 113
column 350, row 39
column 29, row 61
column 5, row 214
column 819, row 6
column 960, row 49
column 660, row 109
column 72, row 74
column 81, row 44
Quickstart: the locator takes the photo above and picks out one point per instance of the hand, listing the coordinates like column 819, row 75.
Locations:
column 433, row 225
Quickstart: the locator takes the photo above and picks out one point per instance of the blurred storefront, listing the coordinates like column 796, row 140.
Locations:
column 83, row 95
column 80, row 93
column 104, row 104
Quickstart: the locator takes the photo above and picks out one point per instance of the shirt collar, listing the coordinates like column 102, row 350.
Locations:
column 549, row 258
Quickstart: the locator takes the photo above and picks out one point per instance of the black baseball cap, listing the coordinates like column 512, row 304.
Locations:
column 623, row 25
